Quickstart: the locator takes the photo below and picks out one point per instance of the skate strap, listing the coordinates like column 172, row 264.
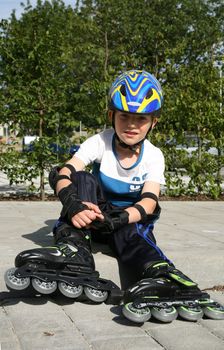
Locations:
column 165, row 269
column 181, row 278
column 67, row 249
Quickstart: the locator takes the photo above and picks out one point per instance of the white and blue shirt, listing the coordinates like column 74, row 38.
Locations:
column 121, row 186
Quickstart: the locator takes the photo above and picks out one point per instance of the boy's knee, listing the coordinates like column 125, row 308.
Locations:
column 84, row 177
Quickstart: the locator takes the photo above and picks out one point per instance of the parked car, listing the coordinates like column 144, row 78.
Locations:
column 28, row 146
column 63, row 150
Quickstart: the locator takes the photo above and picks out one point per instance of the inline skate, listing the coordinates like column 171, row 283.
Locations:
column 68, row 266
column 166, row 294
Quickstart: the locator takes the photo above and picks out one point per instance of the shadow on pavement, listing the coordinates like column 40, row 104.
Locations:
column 43, row 236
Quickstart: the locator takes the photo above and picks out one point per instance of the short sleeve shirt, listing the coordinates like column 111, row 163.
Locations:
column 121, row 186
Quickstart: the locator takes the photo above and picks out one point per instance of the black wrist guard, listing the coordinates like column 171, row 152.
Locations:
column 119, row 217
column 113, row 220
column 71, row 203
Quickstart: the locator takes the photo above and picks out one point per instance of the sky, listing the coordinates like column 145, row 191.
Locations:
column 6, row 7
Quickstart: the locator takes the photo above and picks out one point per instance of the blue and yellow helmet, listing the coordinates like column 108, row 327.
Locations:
column 136, row 91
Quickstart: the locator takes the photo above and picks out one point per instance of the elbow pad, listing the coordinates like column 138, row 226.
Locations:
column 150, row 218
column 149, row 195
column 54, row 176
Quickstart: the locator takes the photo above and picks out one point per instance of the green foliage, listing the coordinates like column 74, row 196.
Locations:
column 57, row 64
column 18, row 168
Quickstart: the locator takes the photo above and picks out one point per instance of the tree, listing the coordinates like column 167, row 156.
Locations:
column 38, row 78
column 52, row 78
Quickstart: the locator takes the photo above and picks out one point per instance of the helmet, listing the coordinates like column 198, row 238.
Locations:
column 137, row 92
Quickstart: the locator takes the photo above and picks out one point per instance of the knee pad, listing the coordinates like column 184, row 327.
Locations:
column 87, row 187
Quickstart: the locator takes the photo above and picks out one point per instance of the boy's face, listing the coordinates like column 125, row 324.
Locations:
column 132, row 128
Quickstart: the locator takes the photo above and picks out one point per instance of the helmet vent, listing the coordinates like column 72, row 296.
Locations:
column 123, row 90
column 149, row 94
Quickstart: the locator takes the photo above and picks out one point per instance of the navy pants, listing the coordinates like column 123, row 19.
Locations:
column 133, row 244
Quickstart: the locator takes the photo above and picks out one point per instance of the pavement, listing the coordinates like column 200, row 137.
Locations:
column 191, row 234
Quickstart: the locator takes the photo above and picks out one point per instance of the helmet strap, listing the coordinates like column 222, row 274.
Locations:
column 134, row 147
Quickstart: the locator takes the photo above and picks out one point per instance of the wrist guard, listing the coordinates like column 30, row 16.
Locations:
column 71, row 203
column 113, row 220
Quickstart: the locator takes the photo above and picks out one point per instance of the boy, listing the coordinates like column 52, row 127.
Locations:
column 117, row 203
column 128, row 169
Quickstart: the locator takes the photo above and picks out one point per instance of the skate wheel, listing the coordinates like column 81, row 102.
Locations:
column 44, row 287
column 168, row 314
column 15, row 282
column 215, row 312
column 190, row 313
column 70, row 291
column 136, row 315
column 96, row 295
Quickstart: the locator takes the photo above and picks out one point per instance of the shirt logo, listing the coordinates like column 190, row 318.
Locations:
column 134, row 188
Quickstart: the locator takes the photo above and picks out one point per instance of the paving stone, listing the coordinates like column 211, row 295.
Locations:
column 185, row 233
column 133, row 343
column 186, row 336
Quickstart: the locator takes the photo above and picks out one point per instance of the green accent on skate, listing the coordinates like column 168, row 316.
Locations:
column 150, row 297
column 216, row 310
column 182, row 280
column 187, row 309
column 201, row 302
column 87, row 237
column 56, row 247
column 174, row 311
column 127, row 308
column 142, row 310
column 161, row 264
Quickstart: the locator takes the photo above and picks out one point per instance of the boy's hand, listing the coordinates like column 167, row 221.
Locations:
column 79, row 213
column 85, row 217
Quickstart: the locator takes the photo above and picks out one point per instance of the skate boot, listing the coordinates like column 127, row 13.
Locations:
column 68, row 266
column 166, row 293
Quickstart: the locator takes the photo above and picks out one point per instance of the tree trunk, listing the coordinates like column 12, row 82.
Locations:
column 42, row 191
column 105, row 69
